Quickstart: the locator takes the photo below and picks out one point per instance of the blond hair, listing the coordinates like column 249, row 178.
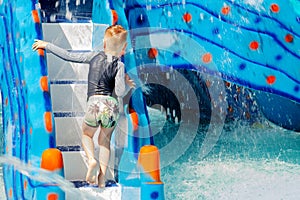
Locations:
column 115, row 37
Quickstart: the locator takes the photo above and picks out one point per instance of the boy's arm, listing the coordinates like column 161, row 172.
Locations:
column 84, row 57
column 121, row 82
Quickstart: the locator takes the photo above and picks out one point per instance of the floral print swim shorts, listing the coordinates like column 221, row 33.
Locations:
column 101, row 110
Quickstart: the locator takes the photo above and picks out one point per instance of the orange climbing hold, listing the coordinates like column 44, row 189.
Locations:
column 271, row 79
column 254, row 45
column 152, row 53
column 44, row 83
column 135, row 120
column 52, row 196
column 227, row 84
column 48, row 121
column 225, row 10
column 275, row 8
column 52, row 159
column 41, row 52
column 114, row 16
column 35, row 16
column 187, row 17
column 25, row 184
column 289, row 38
column 10, row 193
column 208, row 83
column 207, row 58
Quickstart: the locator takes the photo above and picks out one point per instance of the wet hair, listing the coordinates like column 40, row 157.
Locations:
column 115, row 37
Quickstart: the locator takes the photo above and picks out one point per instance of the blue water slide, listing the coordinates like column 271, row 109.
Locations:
column 279, row 110
column 28, row 127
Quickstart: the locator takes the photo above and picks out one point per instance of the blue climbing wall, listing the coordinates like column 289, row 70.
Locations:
column 253, row 44
column 28, row 127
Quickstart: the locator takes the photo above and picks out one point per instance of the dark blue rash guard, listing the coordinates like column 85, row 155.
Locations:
column 102, row 75
column 106, row 72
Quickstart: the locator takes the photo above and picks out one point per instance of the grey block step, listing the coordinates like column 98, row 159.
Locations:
column 75, row 165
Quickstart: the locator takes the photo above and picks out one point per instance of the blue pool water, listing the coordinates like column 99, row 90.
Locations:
column 246, row 162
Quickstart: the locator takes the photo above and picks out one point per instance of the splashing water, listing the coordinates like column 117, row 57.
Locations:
column 2, row 190
column 247, row 162
column 244, row 164
column 232, row 179
column 46, row 176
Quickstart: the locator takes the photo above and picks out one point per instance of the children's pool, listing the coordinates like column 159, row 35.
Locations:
column 247, row 162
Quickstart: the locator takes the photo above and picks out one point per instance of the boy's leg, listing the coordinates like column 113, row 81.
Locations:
column 104, row 153
column 88, row 146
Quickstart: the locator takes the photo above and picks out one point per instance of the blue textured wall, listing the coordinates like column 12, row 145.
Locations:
column 28, row 125
column 255, row 45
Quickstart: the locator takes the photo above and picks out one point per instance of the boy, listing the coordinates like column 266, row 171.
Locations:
column 106, row 73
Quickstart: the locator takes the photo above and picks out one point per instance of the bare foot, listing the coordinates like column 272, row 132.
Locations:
column 101, row 180
column 90, row 175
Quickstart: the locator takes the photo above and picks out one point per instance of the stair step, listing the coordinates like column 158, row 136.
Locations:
column 75, row 165
column 69, row 148
column 108, row 183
